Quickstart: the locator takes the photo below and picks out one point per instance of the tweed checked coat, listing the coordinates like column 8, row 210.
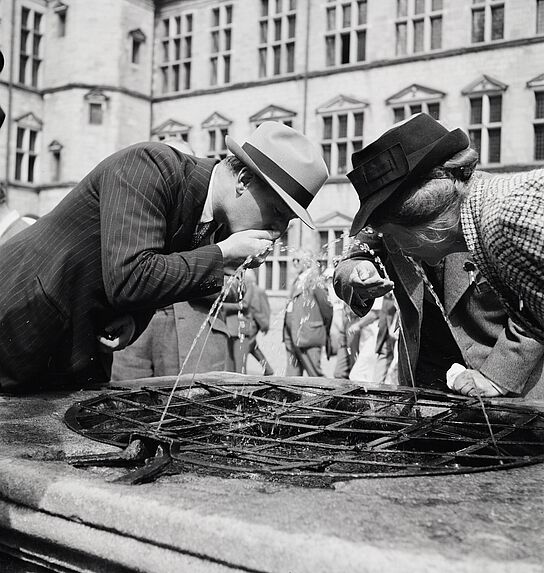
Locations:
column 503, row 226
column 118, row 243
column 489, row 341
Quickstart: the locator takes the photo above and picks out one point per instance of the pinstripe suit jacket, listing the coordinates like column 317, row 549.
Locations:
column 118, row 243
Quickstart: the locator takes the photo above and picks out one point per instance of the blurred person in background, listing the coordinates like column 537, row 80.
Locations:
column 258, row 318
column 245, row 318
column 347, row 345
column 387, row 338
column 163, row 347
column 308, row 318
column 366, row 330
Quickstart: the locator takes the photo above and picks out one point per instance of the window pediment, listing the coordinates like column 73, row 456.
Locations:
column 484, row 84
column 342, row 103
column 413, row 94
column 271, row 113
column 55, row 146
column 137, row 35
column 537, row 82
column 171, row 127
column 216, row 120
column 59, row 7
column 96, row 95
column 29, row 121
column 335, row 219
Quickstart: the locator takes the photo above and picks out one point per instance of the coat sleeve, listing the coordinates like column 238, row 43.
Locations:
column 137, row 195
column 512, row 359
column 513, row 236
column 366, row 245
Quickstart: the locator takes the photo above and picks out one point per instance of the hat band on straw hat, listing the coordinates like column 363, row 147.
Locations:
column 278, row 175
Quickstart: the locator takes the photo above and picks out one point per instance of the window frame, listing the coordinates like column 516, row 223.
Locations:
column 334, row 234
column 30, row 47
column 27, row 142
column 276, row 52
column 55, row 150
column 176, row 52
column 137, row 39
column 409, row 19
column 539, row 17
column 216, row 127
column 538, row 124
column 336, row 36
column 350, row 142
column 96, row 113
column 487, row 8
column 221, row 59
column 278, row 262
column 61, row 11
column 96, row 100
column 485, row 126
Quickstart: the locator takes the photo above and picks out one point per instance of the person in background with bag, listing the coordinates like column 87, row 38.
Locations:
column 385, row 369
column 259, row 317
column 308, row 319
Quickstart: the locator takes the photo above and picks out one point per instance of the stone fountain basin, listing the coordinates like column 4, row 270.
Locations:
column 55, row 514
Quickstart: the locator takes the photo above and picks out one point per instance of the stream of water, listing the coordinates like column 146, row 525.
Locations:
column 310, row 277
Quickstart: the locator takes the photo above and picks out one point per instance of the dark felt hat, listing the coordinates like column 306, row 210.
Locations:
column 398, row 158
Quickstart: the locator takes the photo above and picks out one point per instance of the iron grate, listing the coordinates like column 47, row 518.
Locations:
column 315, row 435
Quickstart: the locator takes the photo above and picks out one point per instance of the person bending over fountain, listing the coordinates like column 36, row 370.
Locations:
column 85, row 279
column 417, row 187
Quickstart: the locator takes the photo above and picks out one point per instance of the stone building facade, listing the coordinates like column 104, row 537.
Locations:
column 83, row 79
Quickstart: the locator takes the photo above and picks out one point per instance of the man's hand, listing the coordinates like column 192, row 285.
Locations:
column 253, row 245
column 117, row 334
column 472, row 383
column 367, row 283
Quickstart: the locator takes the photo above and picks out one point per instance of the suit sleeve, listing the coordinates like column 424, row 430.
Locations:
column 137, row 194
column 512, row 359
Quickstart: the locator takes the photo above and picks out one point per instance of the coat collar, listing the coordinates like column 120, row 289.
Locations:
column 409, row 278
column 456, row 279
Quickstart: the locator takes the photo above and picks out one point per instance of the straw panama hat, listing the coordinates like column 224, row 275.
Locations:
column 287, row 161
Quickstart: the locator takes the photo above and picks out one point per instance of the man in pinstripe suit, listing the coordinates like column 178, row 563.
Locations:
column 86, row 278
